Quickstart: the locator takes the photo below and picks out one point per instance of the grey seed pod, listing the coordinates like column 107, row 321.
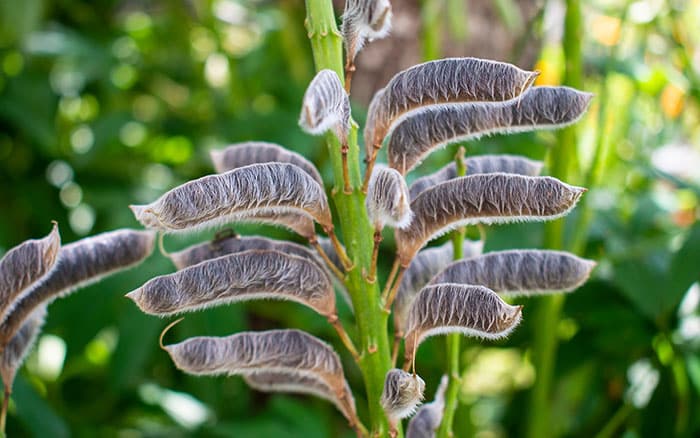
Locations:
column 477, row 165
column 455, row 308
column 300, row 223
column 402, row 394
column 364, row 20
column 443, row 81
column 12, row 357
column 520, row 272
column 241, row 194
column 423, row 132
column 254, row 152
column 486, row 198
column 79, row 264
column 428, row 418
column 24, row 265
column 326, row 106
column 427, row 263
column 388, row 201
column 247, row 275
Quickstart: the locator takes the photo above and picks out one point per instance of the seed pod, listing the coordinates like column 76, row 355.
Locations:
column 421, row 133
column 387, row 201
column 443, row 81
column 429, row 416
column 300, row 223
column 13, row 355
column 487, row 198
column 425, row 266
column 520, row 272
column 254, row 152
column 326, row 106
column 24, row 265
column 478, row 165
column 79, row 264
column 402, row 394
column 364, row 20
column 235, row 277
column 240, row 194
column 455, row 308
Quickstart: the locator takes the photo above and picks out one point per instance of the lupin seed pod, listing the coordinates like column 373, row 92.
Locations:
column 248, row 275
column 255, row 152
column 364, row 20
column 478, row 165
column 421, row 133
column 388, row 201
column 402, row 394
column 486, row 198
column 428, row 418
column 247, row 193
column 326, row 106
column 455, row 308
column 24, row 265
column 520, row 272
column 13, row 355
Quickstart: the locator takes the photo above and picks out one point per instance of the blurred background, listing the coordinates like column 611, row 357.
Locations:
column 108, row 103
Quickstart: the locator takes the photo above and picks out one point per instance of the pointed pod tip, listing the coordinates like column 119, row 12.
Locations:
column 135, row 296
column 145, row 215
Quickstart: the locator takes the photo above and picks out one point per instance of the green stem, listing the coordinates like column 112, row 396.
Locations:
column 616, row 421
column 356, row 231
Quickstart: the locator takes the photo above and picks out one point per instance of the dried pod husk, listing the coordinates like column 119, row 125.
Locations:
column 79, row 264
column 478, row 165
column 388, row 201
column 13, row 355
column 429, row 416
column 24, row 265
column 254, row 192
column 326, row 106
column 456, row 308
column 254, row 152
column 421, row 133
column 427, row 263
column 364, row 20
column 443, row 81
column 486, row 198
column 520, row 272
column 247, row 275
column 402, row 394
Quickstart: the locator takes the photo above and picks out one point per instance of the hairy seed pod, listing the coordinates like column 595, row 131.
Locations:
column 425, row 266
column 79, row 264
column 326, row 106
column 300, row 223
column 13, row 355
column 429, row 416
column 388, row 201
column 246, row 275
column 520, row 272
column 486, row 198
column 455, row 308
column 364, row 20
column 478, row 165
column 24, row 265
column 443, row 81
column 254, row 152
column 421, row 133
column 402, row 394
column 240, row 194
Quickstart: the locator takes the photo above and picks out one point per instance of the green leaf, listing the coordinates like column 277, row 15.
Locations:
column 685, row 269
column 35, row 413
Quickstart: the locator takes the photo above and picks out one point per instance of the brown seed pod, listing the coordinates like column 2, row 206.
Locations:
column 455, row 308
column 364, row 20
column 235, row 277
column 79, row 264
column 442, row 81
column 486, row 198
column 12, row 357
column 254, row 152
column 402, row 394
column 388, row 201
column 24, row 265
column 425, row 266
column 477, row 165
column 421, row 133
column 326, row 106
column 429, row 416
column 252, row 192
column 520, row 272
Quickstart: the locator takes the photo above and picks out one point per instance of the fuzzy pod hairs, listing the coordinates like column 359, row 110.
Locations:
column 16, row 350
column 246, row 193
column 326, row 106
column 486, row 198
column 364, row 20
column 421, row 133
column 402, row 394
column 388, row 200
column 455, row 308
column 429, row 416
column 520, row 272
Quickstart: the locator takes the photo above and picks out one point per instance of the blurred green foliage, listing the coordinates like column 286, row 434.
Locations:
column 104, row 104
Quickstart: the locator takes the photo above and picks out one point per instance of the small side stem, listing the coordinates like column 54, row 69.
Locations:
column 347, row 188
column 370, row 167
column 349, row 70
column 347, row 263
column 334, row 269
column 616, row 421
column 372, row 276
column 389, row 300
column 390, row 278
column 398, row 335
column 344, row 337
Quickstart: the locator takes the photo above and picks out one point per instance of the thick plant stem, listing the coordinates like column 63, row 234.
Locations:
column 562, row 160
column 355, row 227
